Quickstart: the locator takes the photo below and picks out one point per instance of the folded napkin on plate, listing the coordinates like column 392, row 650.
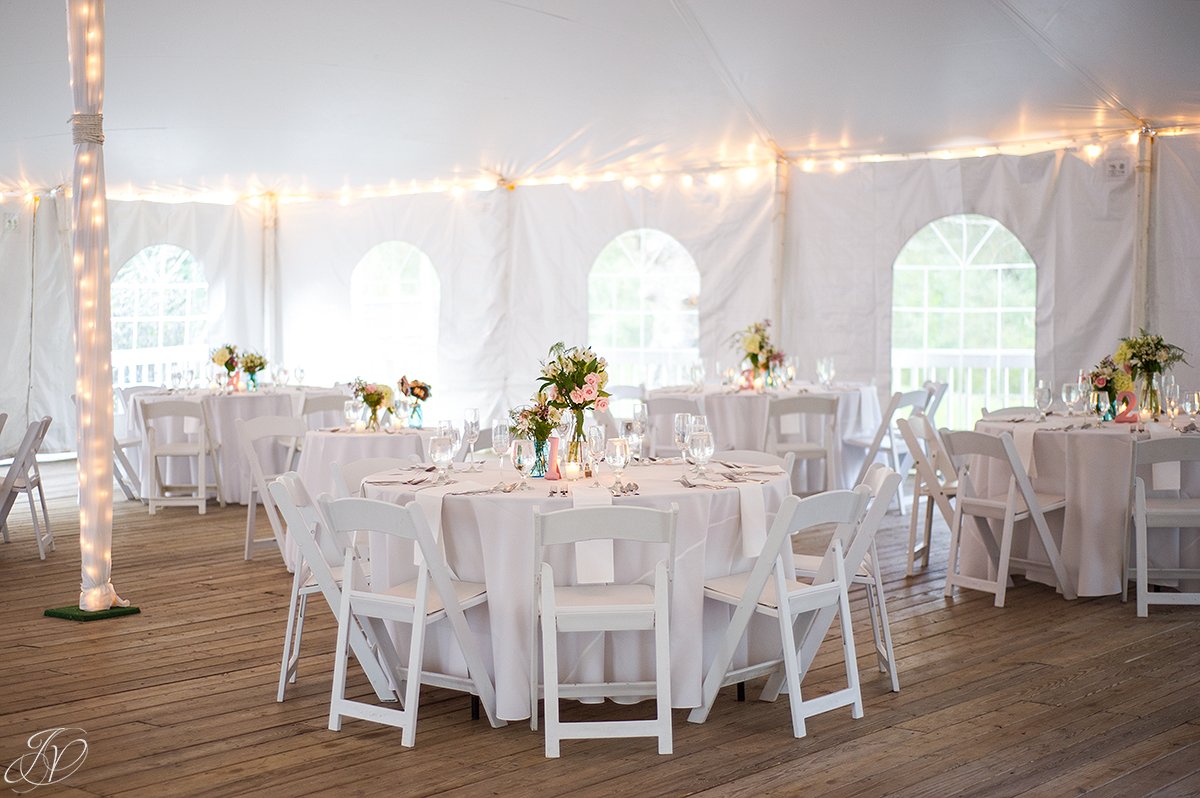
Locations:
column 593, row 558
column 754, row 518
column 1164, row 476
column 430, row 502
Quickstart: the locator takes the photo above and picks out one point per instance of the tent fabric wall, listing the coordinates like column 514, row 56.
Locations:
column 844, row 232
column 1174, row 291
column 17, row 301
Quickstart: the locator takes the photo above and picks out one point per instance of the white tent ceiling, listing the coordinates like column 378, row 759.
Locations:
column 307, row 96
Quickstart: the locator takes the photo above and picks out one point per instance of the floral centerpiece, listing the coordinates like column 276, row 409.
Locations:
column 374, row 395
column 754, row 343
column 573, row 381
column 1110, row 378
column 226, row 357
column 417, row 392
column 252, row 363
column 536, row 422
column 1144, row 357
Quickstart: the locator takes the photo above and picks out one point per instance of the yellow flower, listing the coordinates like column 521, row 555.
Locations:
column 752, row 344
column 1122, row 354
column 1122, row 381
column 220, row 356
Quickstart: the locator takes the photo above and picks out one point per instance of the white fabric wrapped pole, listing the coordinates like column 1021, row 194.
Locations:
column 93, row 337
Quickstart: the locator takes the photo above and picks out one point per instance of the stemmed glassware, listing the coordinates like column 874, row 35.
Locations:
column 1043, row 397
column 640, row 427
column 447, row 428
column 826, row 371
column 501, row 439
column 616, row 454
column 683, row 425
column 441, row 453
column 700, row 444
column 1070, row 396
column 522, row 457
column 352, row 412
column 633, row 437
column 1102, row 404
column 299, row 376
column 471, row 435
column 595, row 446
column 1191, row 403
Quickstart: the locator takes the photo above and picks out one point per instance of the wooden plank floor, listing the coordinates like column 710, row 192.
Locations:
column 1044, row 697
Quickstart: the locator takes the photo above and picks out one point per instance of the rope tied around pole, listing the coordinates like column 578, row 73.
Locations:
column 87, row 128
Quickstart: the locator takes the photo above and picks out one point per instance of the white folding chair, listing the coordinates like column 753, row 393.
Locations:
column 313, row 405
column 285, row 430
column 23, row 476
column 1166, row 510
column 3, row 420
column 937, row 483
column 937, row 392
column 198, row 443
column 799, row 408
column 885, row 441
column 123, row 470
column 482, row 443
column 322, row 554
column 1017, row 503
column 603, row 608
column 804, row 612
column 347, row 478
column 864, row 568
column 421, row 602
column 660, row 415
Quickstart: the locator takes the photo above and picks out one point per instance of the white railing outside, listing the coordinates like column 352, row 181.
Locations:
column 976, row 380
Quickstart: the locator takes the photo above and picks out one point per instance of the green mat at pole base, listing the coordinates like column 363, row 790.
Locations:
column 73, row 613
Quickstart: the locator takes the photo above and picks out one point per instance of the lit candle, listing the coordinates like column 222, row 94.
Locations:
column 1144, row 415
column 360, row 425
column 572, row 471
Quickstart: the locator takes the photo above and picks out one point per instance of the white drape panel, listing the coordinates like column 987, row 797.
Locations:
column 320, row 243
column 16, row 319
column 845, row 231
column 1175, row 257
column 93, row 344
column 227, row 242
column 558, row 232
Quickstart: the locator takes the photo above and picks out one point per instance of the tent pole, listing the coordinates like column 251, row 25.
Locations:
column 272, row 321
column 1144, row 171
column 779, row 228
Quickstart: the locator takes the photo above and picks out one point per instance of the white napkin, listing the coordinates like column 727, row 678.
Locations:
column 593, row 558
column 754, row 518
column 1164, row 476
column 1023, row 439
column 430, row 502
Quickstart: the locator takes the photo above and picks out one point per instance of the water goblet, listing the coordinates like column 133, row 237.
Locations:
column 596, row 439
column 176, row 380
column 501, row 439
column 447, row 428
column 471, row 435
column 522, row 457
column 683, row 425
column 351, row 410
column 299, row 376
column 441, row 453
column 616, row 454
column 1102, row 404
column 700, row 444
column 1070, row 396
column 1043, row 398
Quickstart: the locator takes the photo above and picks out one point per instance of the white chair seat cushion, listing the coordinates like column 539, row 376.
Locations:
column 994, row 508
column 406, row 593
column 582, row 599
column 807, row 564
column 730, row 589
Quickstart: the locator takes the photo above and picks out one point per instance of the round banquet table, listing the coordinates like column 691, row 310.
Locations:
column 322, row 448
column 739, row 421
column 1091, row 468
column 489, row 538
column 223, row 411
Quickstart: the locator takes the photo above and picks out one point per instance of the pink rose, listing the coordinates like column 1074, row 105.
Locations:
column 1101, row 382
column 577, row 396
column 551, row 392
column 602, row 403
column 591, row 379
column 589, row 392
column 372, row 388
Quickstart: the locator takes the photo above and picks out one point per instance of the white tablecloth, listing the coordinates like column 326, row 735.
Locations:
column 739, row 421
column 1091, row 468
column 322, row 448
column 223, row 411
column 489, row 538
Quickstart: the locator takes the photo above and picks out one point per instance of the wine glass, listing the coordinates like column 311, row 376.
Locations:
column 501, row 438
column 299, row 376
column 1043, row 398
column 1171, row 397
column 351, row 411
column 471, row 434
column 634, row 439
column 1191, row 403
column 1102, row 404
column 447, row 428
column 441, row 453
column 284, row 375
column 683, row 425
column 522, row 457
column 596, row 439
column 1070, row 396
column 176, row 380
column 616, row 454
column 700, row 444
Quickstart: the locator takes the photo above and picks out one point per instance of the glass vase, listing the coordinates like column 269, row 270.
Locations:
column 231, row 382
column 539, row 458
column 373, row 419
column 252, row 381
column 1150, row 395
column 577, row 444
column 416, row 417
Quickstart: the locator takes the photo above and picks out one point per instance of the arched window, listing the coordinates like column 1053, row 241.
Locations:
column 963, row 305
column 643, row 308
column 159, row 316
column 395, row 297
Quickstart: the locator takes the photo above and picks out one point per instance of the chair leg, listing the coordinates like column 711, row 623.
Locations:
column 928, row 531
column 341, row 654
column 791, row 667
column 37, row 532
column 856, row 705
column 1006, row 537
column 291, row 647
column 412, row 683
column 952, row 559
column 1143, row 568
column 202, row 482
column 876, row 638
column 45, row 516
column 550, row 679
column 912, row 532
column 251, row 513
column 889, row 654
column 662, row 663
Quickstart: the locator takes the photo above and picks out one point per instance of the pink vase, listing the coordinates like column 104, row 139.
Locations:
column 552, row 471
